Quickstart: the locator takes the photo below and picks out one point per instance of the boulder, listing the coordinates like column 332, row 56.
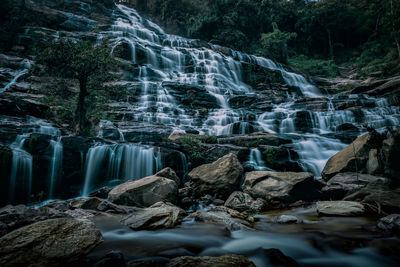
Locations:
column 379, row 197
column 281, row 186
column 101, row 193
column 219, row 178
column 340, row 208
column 231, row 219
column 158, row 216
column 205, row 261
column 244, row 202
column 13, row 217
column 277, row 258
column 170, row 174
column 287, row 219
column 354, row 157
column 52, row 242
column 345, row 183
column 390, row 223
column 281, row 158
column 145, row 192
column 390, row 155
column 88, row 203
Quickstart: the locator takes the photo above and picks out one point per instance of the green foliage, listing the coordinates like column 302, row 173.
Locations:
column 315, row 67
column 275, row 44
column 88, row 64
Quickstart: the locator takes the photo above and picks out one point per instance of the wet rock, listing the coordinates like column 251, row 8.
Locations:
column 145, row 192
column 390, row 155
column 231, row 219
column 101, row 193
column 60, row 205
column 23, row 107
column 281, row 158
column 345, row 183
column 354, row 157
column 112, row 259
column 106, row 206
column 52, row 242
column 219, row 178
column 205, row 261
column 379, row 197
column 254, row 140
column 281, row 186
column 14, row 217
column 340, row 208
column 149, row 262
column 390, row 223
column 81, row 213
column 277, row 258
column 287, row 219
column 170, row 174
column 89, row 203
column 244, row 202
column 158, row 216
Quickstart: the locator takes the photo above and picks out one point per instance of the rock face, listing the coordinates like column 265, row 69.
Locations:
column 219, row 178
column 244, row 202
column 280, row 186
column 345, row 183
column 340, row 208
column 145, row 192
column 350, row 159
column 170, row 174
column 52, row 242
column 158, row 216
column 231, row 219
column 222, row 261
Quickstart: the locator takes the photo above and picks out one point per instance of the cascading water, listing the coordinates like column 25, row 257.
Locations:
column 25, row 66
column 112, row 164
column 256, row 160
column 22, row 161
column 167, row 62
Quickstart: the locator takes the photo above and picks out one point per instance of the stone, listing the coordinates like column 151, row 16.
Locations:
column 380, row 197
column 373, row 165
column 170, row 174
column 230, row 219
column 89, row 203
column 287, row 219
column 101, row 193
column 281, row 186
column 277, row 258
column 339, row 208
column 113, row 258
column 52, row 242
column 205, row 261
column 158, row 216
column 343, row 184
column 242, row 202
column 219, row 178
column 354, row 157
column 14, row 217
column 145, row 192
column 390, row 222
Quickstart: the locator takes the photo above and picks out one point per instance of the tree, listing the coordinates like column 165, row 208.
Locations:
column 81, row 61
column 274, row 44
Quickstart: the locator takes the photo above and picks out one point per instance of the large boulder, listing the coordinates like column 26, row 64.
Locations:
column 145, row 192
column 230, row 219
column 379, row 197
column 354, row 157
column 219, row 178
column 14, row 217
column 281, row 186
column 340, row 208
column 345, row 183
column 52, row 242
column 390, row 155
column 158, row 216
column 205, row 261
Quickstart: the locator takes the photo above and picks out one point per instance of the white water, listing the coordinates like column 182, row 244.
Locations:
column 117, row 163
column 164, row 59
column 56, row 163
column 26, row 66
column 256, row 160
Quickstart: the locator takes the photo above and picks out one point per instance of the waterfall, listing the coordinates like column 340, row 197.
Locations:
column 256, row 160
column 109, row 164
column 26, row 66
column 55, row 164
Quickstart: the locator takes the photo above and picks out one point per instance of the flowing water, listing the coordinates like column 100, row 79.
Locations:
column 164, row 60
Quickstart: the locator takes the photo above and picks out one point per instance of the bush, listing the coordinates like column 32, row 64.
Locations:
column 315, row 67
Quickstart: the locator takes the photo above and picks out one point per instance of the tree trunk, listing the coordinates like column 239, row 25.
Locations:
column 331, row 51
column 393, row 17
column 80, row 113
